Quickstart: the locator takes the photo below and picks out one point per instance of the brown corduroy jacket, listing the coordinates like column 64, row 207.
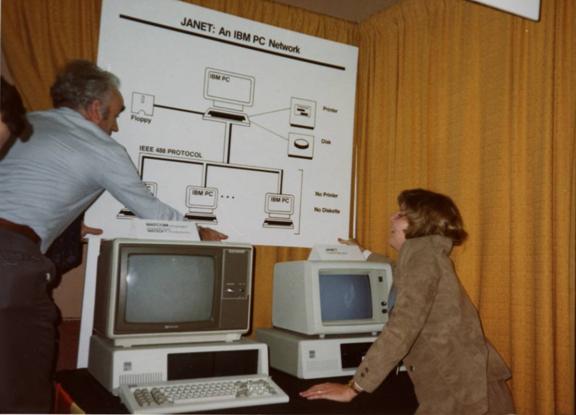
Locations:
column 435, row 330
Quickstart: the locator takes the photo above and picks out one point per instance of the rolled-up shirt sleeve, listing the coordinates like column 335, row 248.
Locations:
column 119, row 176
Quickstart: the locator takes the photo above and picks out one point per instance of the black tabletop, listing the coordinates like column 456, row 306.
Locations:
column 395, row 396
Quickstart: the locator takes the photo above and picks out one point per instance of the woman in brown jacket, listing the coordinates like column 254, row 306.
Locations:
column 433, row 328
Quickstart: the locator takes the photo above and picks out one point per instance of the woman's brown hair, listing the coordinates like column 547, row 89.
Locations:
column 431, row 213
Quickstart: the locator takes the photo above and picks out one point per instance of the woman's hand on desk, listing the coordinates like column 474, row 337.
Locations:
column 331, row 391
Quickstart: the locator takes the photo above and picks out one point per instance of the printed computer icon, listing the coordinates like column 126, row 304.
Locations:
column 302, row 113
column 301, row 146
column 229, row 92
column 201, row 202
column 142, row 104
column 126, row 213
column 279, row 208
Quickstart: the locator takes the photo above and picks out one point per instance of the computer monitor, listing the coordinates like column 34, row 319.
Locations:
column 201, row 202
column 279, row 208
column 163, row 292
column 317, row 297
column 279, row 204
column 228, row 89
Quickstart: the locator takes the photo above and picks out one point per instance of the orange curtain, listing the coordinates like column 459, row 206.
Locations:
column 481, row 105
column 40, row 36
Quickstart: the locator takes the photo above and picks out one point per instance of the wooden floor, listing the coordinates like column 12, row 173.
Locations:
column 68, row 344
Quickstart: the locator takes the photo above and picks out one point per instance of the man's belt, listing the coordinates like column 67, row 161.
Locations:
column 20, row 229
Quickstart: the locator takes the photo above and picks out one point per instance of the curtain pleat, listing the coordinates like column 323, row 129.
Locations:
column 480, row 105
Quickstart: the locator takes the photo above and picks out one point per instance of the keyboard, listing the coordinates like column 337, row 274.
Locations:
column 232, row 116
column 202, row 394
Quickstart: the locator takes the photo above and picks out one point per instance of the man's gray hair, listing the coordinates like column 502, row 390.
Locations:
column 81, row 82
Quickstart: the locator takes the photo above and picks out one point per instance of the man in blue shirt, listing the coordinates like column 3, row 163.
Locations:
column 47, row 182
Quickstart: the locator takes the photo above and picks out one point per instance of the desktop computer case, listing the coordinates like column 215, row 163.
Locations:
column 314, row 357
column 113, row 365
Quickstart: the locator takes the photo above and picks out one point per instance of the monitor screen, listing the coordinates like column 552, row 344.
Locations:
column 161, row 292
column 225, row 86
column 278, row 203
column 345, row 297
column 183, row 288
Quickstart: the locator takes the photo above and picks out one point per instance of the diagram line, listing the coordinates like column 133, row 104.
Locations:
column 177, row 109
column 210, row 163
column 270, row 131
column 269, row 112
column 300, row 207
column 242, row 167
column 229, row 142
column 229, row 42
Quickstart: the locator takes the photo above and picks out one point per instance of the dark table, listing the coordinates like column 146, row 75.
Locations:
column 395, row 396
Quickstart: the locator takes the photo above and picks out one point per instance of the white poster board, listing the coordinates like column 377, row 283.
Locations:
column 240, row 125
column 529, row 9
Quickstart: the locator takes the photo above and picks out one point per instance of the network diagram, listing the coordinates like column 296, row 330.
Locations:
column 228, row 95
column 236, row 124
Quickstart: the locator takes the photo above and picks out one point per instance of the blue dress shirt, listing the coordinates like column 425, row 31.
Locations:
column 48, row 180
